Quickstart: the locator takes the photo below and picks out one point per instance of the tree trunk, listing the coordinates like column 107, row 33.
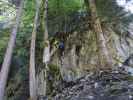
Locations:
column 104, row 59
column 8, row 55
column 32, row 72
column 46, row 53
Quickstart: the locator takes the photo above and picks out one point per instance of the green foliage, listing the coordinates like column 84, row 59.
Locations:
column 63, row 7
column 28, row 13
column 16, row 85
column 54, row 70
column 4, row 37
column 54, row 77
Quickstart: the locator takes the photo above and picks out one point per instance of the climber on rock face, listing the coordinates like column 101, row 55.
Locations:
column 61, row 48
column 59, row 41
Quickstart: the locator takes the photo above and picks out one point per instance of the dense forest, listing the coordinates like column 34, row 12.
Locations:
column 66, row 49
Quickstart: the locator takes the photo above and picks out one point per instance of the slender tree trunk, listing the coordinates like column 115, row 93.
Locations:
column 46, row 54
column 104, row 59
column 32, row 72
column 46, row 20
column 8, row 55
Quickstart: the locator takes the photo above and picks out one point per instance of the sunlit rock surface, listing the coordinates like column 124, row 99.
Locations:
column 7, row 14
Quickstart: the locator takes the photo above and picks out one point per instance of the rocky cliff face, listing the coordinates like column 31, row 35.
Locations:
column 80, row 54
